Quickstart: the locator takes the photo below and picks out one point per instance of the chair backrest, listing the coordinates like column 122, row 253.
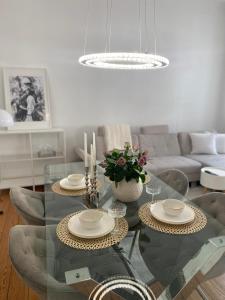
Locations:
column 214, row 205
column 176, row 179
column 28, row 253
column 29, row 204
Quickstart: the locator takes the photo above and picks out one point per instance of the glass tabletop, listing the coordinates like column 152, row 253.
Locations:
column 164, row 262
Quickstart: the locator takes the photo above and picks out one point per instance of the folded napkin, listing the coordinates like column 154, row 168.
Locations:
column 116, row 136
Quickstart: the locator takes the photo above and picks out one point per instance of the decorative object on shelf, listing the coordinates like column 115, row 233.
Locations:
column 46, row 151
column 141, row 290
column 6, row 120
column 26, row 97
column 125, row 170
column 198, row 224
column 141, row 60
column 90, row 244
column 92, row 194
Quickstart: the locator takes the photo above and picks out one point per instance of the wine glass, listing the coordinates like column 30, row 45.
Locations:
column 117, row 210
column 153, row 189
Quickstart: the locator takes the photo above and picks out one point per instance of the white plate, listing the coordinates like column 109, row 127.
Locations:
column 159, row 213
column 64, row 183
column 106, row 225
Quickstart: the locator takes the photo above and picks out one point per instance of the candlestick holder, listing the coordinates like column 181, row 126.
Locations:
column 94, row 195
column 91, row 195
column 87, row 185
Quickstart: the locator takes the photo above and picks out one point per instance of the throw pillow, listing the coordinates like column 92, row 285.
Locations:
column 203, row 143
column 220, row 143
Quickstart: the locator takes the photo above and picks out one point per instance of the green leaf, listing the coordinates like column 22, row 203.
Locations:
column 110, row 160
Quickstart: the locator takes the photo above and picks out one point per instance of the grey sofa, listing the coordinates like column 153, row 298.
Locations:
column 163, row 148
column 166, row 150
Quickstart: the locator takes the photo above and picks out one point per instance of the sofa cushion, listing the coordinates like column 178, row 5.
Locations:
column 220, row 143
column 160, row 144
column 185, row 142
column 216, row 161
column 203, row 143
column 155, row 129
column 158, row 164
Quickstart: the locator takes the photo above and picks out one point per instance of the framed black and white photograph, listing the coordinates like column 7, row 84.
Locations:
column 26, row 98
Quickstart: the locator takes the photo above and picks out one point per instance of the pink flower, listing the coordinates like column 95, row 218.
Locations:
column 135, row 147
column 121, row 161
column 142, row 160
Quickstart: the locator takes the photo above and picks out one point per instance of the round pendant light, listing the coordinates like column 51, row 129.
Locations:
column 123, row 60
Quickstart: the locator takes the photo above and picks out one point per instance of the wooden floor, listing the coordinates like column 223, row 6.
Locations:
column 13, row 288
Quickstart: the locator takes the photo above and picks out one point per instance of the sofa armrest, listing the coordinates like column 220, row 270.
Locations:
column 80, row 152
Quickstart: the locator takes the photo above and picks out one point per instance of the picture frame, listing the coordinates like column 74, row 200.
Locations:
column 27, row 98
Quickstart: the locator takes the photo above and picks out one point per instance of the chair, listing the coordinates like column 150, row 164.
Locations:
column 214, row 205
column 42, row 260
column 176, row 179
column 28, row 253
column 31, row 206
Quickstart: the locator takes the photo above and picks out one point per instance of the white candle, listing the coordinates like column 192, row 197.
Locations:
column 94, row 149
column 85, row 150
column 92, row 167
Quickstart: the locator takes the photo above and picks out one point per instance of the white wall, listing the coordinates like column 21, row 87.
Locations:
column 49, row 33
column 221, row 106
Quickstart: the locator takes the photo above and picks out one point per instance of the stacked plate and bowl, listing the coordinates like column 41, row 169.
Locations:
column 172, row 211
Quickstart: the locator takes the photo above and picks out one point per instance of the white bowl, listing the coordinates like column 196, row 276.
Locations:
column 90, row 218
column 173, row 207
column 76, row 179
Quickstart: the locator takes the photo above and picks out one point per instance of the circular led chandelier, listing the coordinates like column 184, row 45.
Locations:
column 122, row 282
column 123, row 60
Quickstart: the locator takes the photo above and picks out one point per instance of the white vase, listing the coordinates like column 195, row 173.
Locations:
column 127, row 191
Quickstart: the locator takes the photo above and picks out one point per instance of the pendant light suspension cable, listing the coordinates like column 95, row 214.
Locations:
column 146, row 30
column 108, row 27
column 140, row 26
column 154, row 28
column 87, row 26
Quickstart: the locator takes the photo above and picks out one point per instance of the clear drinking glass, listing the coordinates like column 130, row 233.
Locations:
column 117, row 210
column 153, row 189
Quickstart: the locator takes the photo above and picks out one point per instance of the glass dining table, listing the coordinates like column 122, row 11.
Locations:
column 166, row 263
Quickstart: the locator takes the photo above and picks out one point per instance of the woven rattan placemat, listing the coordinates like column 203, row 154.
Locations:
column 198, row 224
column 90, row 244
column 56, row 188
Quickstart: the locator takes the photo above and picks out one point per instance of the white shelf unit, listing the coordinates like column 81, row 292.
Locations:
column 20, row 160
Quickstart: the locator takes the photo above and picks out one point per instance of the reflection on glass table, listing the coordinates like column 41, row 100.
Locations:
column 158, row 259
